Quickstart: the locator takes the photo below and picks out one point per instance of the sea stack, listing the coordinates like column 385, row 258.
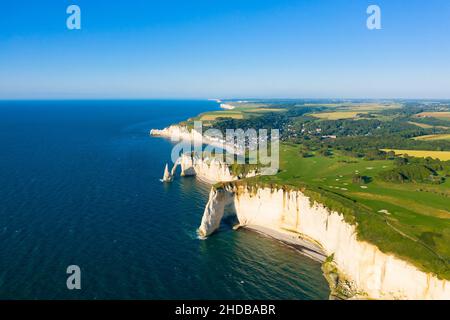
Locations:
column 168, row 177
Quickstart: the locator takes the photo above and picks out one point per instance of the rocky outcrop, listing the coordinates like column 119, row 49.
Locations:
column 354, row 268
column 214, row 210
column 210, row 170
column 167, row 177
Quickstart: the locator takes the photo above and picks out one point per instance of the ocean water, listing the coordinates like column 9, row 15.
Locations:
column 79, row 184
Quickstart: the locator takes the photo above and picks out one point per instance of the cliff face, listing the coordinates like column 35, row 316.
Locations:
column 214, row 210
column 368, row 271
column 177, row 133
column 209, row 170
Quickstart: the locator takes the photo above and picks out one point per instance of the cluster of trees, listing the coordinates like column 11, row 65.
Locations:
column 361, row 143
column 361, row 179
column 412, row 173
column 363, row 127
column 325, row 148
column 242, row 170
column 432, row 164
column 422, row 170
column 308, row 150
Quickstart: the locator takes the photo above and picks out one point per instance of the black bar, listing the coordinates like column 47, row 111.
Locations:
column 224, row 309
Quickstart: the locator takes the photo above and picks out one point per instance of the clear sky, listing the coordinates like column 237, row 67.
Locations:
column 224, row 48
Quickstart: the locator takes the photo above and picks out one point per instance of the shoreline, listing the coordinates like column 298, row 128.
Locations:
column 293, row 240
column 177, row 133
column 354, row 268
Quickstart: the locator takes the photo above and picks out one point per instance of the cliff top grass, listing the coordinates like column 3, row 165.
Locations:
column 409, row 220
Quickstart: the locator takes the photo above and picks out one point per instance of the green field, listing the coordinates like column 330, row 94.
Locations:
column 210, row 116
column 356, row 111
column 411, row 221
column 431, row 137
column 259, row 110
column 427, row 126
column 241, row 111
column 337, row 115
column 351, row 106
column 255, row 109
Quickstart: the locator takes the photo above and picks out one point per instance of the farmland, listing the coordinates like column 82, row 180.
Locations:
column 438, row 115
column 441, row 155
column 445, row 136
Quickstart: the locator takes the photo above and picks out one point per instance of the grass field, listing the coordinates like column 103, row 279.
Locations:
column 258, row 110
column 427, row 126
column 438, row 115
column 352, row 110
column 211, row 116
column 370, row 107
column 337, row 115
column 431, row 137
column 409, row 220
column 421, row 125
column 441, row 155
column 241, row 111
column 350, row 106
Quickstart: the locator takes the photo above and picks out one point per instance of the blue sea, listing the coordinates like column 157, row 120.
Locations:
column 79, row 185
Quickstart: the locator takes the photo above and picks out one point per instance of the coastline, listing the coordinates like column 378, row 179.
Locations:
column 353, row 268
column 179, row 133
column 304, row 246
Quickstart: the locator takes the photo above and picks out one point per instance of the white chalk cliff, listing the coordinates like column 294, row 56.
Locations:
column 178, row 132
column 209, row 170
column 368, row 272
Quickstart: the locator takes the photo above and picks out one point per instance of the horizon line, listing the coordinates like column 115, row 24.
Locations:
column 213, row 99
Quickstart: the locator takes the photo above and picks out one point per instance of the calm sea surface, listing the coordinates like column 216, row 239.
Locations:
column 79, row 184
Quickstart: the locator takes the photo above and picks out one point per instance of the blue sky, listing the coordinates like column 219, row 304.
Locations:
column 224, row 48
